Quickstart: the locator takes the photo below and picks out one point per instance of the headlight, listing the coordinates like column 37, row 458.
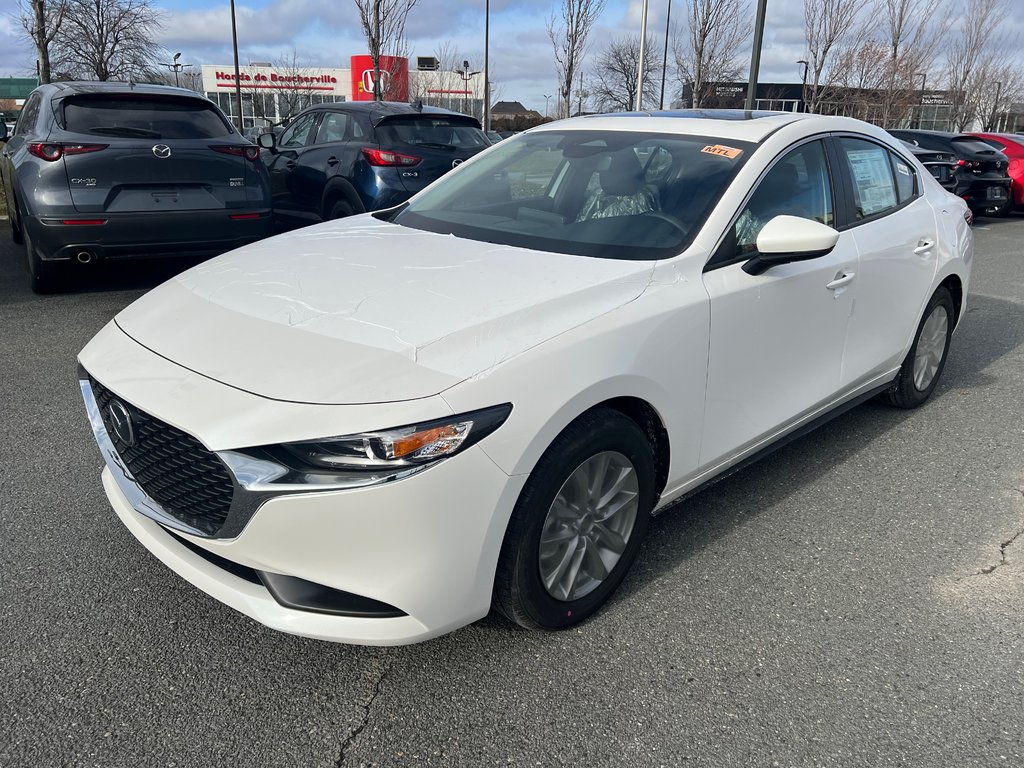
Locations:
column 352, row 461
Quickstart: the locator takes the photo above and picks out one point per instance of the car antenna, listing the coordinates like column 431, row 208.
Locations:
column 418, row 106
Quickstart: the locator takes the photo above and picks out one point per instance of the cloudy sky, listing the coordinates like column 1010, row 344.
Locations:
column 326, row 33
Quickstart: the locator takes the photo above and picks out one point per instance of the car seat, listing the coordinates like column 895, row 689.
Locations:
column 621, row 190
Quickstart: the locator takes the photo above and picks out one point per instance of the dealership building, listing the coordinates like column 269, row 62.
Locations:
column 273, row 93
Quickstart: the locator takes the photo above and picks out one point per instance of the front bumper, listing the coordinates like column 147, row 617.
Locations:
column 426, row 545
column 131, row 235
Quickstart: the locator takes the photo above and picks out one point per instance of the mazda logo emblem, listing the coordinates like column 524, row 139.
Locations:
column 162, row 151
column 456, row 163
column 121, row 423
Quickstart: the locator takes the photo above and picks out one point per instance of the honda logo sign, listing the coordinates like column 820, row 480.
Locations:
column 370, row 86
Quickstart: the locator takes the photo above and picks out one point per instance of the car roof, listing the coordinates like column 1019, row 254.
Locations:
column 734, row 124
column 64, row 89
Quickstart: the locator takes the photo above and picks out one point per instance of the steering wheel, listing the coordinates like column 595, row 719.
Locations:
column 668, row 217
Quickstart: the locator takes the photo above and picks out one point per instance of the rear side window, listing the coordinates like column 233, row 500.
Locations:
column 431, row 131
column 874, row 191
column 333, row 127
column 904, row 175
column 144, row 118
column 29, row 115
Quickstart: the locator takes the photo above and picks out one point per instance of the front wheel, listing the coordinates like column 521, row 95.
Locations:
column 927, row 357
column 578, row 524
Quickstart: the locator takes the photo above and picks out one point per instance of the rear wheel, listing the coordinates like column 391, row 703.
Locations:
column 578, row 524
column 927, row 357
column 339, row 209
column 15, row 221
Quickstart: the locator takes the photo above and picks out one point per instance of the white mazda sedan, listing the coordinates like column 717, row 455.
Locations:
column 375, row 430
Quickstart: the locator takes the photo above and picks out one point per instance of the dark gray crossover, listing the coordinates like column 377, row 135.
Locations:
column 120, row 170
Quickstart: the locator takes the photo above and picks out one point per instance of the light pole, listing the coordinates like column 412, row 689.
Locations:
column 175, row 67
column 547, row 112
column 466, row 76
column 803, row 86
column 920, row 106
column 640, row 61
column 995, row 105
column 238, row 74
column 487, row 79
column 755, row 54
column 664, row 57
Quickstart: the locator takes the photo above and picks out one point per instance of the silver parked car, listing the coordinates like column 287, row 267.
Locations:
column 119, row 170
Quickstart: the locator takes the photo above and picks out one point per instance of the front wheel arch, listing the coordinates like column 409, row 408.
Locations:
column 340, row 189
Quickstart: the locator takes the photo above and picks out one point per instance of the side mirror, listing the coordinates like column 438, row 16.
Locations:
column 790, row 238
column 3, row 131
column 267, row 140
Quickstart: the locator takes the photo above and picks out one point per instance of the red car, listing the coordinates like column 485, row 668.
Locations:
column 1013, row 147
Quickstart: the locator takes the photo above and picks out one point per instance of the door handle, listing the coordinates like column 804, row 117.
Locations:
column 841, row 279
column 924, row 245
column 332, row 160
column 290, row 164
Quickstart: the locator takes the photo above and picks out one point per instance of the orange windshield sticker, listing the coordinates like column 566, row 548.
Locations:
column 722, row 151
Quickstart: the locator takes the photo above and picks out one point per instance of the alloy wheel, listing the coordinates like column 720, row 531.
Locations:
column 588, row 525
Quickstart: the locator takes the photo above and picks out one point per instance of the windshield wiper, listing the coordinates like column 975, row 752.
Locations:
column 434, row 145
column 119, row 130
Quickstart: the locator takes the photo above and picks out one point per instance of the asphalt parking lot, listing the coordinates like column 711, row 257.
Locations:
column 857, row 599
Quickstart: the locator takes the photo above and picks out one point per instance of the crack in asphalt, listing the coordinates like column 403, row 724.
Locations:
column 354, row 732
column 1003, row 547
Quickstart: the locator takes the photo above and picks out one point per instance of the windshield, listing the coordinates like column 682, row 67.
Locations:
column 431, row 131
column 144, row 117
column 619, row 195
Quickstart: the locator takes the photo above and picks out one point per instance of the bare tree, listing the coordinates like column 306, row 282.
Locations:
column 613, row 82
column 108, row 39
column 42, row 20
column 910, row 30
column 569, row 35
column 972, row 58
column 998, row 85
column 707, row 54
column 827, row 25
column 383, row 23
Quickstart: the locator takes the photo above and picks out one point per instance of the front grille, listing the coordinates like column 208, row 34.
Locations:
column 174, row 468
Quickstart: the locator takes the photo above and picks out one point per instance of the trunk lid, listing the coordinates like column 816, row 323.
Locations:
column 158, row 155
column 441, row 141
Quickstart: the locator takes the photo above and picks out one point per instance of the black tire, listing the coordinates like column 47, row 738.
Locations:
column 339, row 209
column 44, row 276
column 519, row 591
column 904, row 392
column 15, row 223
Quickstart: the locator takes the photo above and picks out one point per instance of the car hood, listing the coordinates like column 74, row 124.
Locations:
column 364, row 311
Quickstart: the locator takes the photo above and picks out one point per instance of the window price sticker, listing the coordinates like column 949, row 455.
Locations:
column 722, row 151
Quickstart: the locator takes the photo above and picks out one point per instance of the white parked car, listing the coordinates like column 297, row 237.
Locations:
column 374, row 430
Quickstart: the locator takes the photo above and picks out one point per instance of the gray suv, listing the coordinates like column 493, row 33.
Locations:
column 119, row 170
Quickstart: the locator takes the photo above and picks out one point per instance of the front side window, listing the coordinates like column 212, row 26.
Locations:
column 614, row 194
column 797, row 185
column 298, row 132
column 874, row 191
